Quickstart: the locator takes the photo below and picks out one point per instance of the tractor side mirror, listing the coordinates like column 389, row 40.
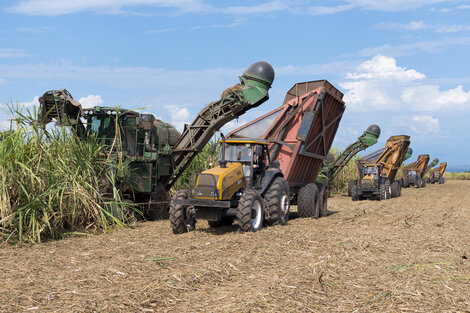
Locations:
column 213, row 147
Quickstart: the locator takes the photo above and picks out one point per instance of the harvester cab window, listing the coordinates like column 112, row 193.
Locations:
column 104, row 127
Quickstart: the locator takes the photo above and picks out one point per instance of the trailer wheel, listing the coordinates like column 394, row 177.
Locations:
column 351, row 185
column 322, row 200
column 160, row 209
column 278, row 202
column 399, row 189
column 182, row 217
column 307, row 201
column 428, row 180
column 395, row 186
column 441, row 180
column 250, row 211
column 385, row 190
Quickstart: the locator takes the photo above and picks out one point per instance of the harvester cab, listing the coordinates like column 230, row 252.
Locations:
column 413, row 173
column 245, row 187
column 376, row 171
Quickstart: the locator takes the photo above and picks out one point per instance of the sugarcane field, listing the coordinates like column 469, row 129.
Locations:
column 409, row 254
column 199, row 156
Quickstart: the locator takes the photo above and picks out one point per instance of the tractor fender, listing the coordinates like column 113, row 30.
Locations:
column 268, row 177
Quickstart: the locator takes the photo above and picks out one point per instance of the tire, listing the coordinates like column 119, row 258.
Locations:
column 307, row 201
column 250, row 211
column 394, row 187
column 351, row 185
column 385, row 190
column 182, row 217
column 356, row 193
column 441, row 180
column 399, row 190
column 322, row 200
column 278, row 202
column 423, row 183
column 160, row 210
column 428, row 180
column 405, row 183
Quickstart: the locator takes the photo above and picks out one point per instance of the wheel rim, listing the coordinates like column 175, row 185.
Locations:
column 284, row 205
column 256, row 214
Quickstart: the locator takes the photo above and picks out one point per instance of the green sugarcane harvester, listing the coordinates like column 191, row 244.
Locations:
column 367, row 139
column 157, row 153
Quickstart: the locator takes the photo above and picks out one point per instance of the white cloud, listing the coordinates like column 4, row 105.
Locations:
column 179, row 116
column 35, row 101
column 266, row 7
column 53, row 7
column 431, row 98
column 380, row 84
column 425, row 124
column 451, row 28
column 416, row 25
column 4, row 125
column 13, row 53
column 420, row 25
column 91, row 101
column 382, row 67
column 431, row 46
column 372, row 5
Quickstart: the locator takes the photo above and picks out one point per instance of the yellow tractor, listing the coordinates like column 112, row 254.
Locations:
column 245, row 187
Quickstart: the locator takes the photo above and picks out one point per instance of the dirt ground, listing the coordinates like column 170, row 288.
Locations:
column 410, row 254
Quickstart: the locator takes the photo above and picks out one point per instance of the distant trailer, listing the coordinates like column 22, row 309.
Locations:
column 300, row 134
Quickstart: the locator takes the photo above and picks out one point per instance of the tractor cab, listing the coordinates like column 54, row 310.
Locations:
column 370, row 174
column 241, row 165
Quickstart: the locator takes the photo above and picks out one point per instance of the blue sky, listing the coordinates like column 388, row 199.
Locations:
column 402, row 64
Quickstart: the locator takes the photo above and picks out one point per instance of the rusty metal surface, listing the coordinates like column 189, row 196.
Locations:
column 303, row 130
column 419, row 165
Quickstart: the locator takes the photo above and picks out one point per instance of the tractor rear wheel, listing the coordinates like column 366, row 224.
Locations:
column 351, row 185
column 182, row 217
column 322, row 200
column 307, row 201
column 278, row 202
column 158, row 210
column 250, row 211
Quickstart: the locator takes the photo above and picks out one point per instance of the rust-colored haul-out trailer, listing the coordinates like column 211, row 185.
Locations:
column 300, row 134
column 413, row 173
column 437, row 175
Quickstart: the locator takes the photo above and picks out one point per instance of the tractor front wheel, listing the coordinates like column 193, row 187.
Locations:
column 182, row 217
column 385, row 190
